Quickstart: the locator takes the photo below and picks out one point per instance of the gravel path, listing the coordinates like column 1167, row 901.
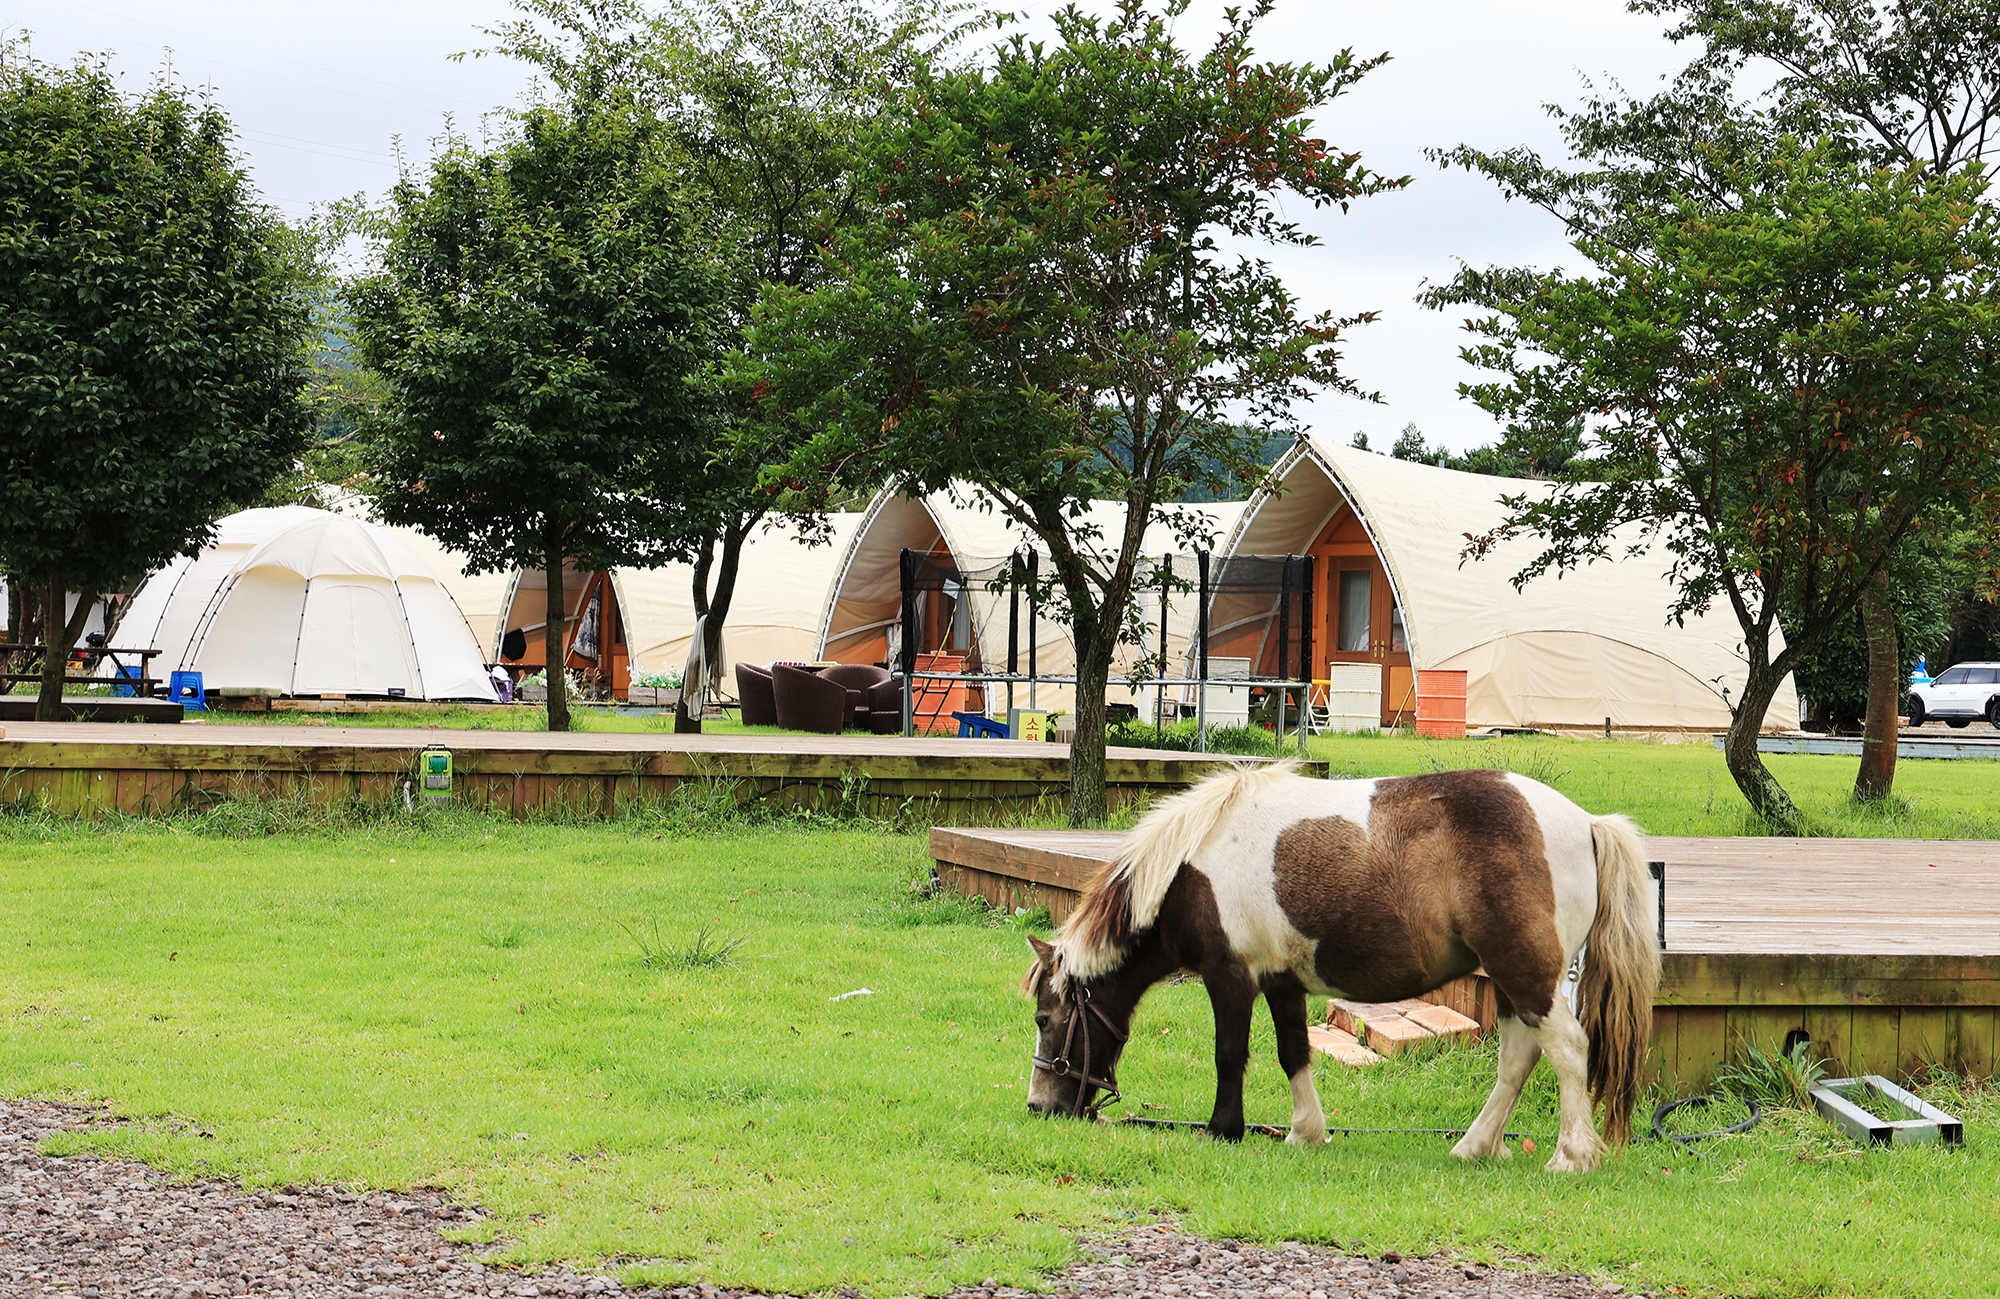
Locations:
column 83, row 1226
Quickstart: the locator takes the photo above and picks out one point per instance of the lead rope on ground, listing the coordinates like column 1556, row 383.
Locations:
column 1281, row 1130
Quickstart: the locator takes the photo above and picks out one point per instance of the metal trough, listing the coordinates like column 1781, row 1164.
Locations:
column 1928, row 1125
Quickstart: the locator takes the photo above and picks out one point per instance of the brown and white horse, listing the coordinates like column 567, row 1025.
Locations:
column 1263, row 881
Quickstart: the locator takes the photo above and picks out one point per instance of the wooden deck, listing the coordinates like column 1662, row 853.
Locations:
column 93, row 708
column 1885, row 951
column 140, row 769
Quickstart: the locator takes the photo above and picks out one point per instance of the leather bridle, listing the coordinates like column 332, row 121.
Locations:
column 1064, row 1067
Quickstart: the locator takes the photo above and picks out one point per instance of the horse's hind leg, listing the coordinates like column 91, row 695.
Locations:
column 1578, row 1148
column 1288, row 1018
column 1519, row 1051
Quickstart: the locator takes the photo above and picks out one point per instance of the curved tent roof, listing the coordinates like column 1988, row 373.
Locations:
column 300, row 601
column 963, row 525
column 780, row 583
column 165, row 611
column 1566, row 649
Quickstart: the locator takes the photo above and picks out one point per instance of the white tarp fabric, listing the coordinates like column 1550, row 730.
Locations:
column 781, row 584
column 1565, row 650
column 298, row 601
column 864, row 601
column 165, row 612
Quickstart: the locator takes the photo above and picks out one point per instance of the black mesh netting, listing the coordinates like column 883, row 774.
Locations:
column 1006, row 614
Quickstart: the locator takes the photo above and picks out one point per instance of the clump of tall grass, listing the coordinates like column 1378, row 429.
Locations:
column 1783, row 1078
column 704, row 951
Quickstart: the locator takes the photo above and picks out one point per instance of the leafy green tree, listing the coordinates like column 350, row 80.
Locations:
column 763, row 99
column 1042, row 306
column 538, row 320
column 1910, row 84
column 1784, row 385
column 153, row 336
column 1835, row 675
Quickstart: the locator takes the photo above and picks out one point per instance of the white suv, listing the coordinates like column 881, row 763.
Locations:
column 1957, row 695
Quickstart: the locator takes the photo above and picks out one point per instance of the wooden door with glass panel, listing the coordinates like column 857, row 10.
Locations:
column 1367, row 627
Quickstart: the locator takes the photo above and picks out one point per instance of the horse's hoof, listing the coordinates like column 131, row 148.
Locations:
column 1298, row 1138
column 1561, row 1162
column 1466, row 1150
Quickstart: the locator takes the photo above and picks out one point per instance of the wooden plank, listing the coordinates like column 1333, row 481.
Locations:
column 1974, row 1028
column 1924, row 1038
column 1875, row 1046
column 1795, row 979
column 1832, row 1029
column 1701, row 1043
column 1764, row 1027
column 1659, row 1066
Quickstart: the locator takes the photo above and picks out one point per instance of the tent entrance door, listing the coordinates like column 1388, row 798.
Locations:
column 1366, row 626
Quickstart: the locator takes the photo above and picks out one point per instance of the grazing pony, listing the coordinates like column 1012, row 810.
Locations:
column 1263, row 881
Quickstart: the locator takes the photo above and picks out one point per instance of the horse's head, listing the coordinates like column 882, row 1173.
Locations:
column 1077, row 1042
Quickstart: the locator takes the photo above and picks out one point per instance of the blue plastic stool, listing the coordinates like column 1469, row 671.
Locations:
column 973, row 726
column 125, row 688
column 184, row 688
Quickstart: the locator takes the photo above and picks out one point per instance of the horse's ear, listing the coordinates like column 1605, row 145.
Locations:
column 1044, row 952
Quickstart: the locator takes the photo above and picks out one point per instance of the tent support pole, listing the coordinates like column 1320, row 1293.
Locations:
column 1160, row 704
column 1305, row 645
column 1034, row 617
column 1013, row 628
column 1201, row 691
column 1284, row 653
column 907, row 566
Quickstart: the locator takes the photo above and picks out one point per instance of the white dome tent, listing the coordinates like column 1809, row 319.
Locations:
column 304, row 602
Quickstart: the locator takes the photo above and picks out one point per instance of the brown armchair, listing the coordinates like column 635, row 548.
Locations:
column 861, row 681
column 753, row 693
column 885, row 706
column 805, row 702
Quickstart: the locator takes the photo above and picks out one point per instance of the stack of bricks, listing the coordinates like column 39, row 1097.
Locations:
column 1358, row 1034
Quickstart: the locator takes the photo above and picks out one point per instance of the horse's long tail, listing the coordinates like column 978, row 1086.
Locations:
column 1620, row 972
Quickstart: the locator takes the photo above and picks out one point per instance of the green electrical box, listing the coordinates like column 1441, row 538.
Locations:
column 435, row 766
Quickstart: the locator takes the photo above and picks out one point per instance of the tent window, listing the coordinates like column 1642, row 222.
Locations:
column 1355, row 595
column 1399, row 639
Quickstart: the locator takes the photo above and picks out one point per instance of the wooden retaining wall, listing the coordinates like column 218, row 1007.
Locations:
column 529, row 774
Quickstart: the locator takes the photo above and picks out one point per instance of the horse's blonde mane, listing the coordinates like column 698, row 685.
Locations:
column 1124, row 899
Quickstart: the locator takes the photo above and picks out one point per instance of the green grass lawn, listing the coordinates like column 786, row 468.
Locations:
column 464, row 1003
column 1684, row 789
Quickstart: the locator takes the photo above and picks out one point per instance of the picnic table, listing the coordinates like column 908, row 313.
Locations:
column 86, row 658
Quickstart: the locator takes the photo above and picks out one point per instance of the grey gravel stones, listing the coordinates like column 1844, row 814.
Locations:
column 92, row 1229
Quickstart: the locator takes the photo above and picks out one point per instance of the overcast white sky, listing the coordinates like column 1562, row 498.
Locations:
column 321, row 92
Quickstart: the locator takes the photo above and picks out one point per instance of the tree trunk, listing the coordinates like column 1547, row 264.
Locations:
column 1739, row 750
column 1877, row 775
column 554, row 638
column 1087, row 802
column 713, row 608
column 58, row 638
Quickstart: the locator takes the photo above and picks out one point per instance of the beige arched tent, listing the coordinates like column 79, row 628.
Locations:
column 298, row 601
column 1394, row 587
column 962, row 527
column 644, row 618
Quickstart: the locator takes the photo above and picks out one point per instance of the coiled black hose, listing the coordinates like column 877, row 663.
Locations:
column 1660, row 1118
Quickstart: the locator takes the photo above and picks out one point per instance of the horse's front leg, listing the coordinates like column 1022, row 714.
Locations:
column 1288, row 1018
column 1232, row 995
